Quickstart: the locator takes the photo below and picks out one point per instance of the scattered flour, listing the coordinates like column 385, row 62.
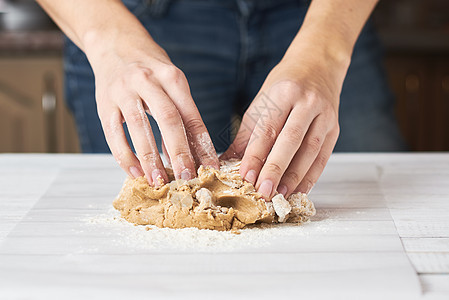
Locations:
column 190, row 239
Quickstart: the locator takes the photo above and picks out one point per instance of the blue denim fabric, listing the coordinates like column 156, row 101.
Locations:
column 226, row 48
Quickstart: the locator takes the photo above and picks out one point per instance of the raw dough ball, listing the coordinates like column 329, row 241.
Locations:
column 216, row 199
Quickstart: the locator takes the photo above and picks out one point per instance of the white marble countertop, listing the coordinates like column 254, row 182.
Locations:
column 381, row 231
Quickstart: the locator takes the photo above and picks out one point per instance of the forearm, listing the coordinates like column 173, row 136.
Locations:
column 98, row 26
column 331, row 28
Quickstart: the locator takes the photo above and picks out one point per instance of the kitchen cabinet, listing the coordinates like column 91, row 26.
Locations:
column 33, row 115
column 416, row 38
column 421, row 86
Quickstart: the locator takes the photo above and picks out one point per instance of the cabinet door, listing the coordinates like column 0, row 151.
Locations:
column 33, row 115
column 411, row 79
column 441, row 86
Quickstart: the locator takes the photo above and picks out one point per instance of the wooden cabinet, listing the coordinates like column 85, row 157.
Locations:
column 421, row 86
column 33, row 115
column 415, row 34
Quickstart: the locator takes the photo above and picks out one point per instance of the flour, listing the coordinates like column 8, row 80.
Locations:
column 153, row 238
column 203, row 145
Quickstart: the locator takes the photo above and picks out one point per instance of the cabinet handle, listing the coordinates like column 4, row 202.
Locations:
column 48, row 100
column 49, row 108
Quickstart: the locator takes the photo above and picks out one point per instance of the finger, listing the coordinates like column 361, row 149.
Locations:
column 319, row 164
column 240, row 142
column 283, row 150
column 166, row 157
column 261, row 141
column 172, row 130
column 177, row 88
column 305, row 156
column 142, row 136
column 112, row 123
column 202, row 147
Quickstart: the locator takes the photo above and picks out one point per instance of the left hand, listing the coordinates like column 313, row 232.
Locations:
column 290, row 129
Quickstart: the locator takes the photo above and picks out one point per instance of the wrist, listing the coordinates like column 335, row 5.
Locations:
column 125, row 39
column 320, row 61
column 331, row 28
column 320, row 65
column 99, row 44
column 330, row 51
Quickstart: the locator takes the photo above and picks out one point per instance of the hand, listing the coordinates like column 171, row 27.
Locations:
column 136, row 76
column 290, row 129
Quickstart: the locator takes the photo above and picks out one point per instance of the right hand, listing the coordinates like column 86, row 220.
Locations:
column 134, row 76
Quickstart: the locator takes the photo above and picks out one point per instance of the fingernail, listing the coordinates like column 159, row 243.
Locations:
column 213, row 164
column 186, row 175
column 265, row 188
column 282, row 189
column 135, row 172
column 158, row 180
column 251, row 176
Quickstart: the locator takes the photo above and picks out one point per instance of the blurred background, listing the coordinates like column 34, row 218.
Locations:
column 33, row 116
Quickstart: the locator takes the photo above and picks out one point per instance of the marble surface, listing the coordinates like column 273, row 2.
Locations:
column 381, row 231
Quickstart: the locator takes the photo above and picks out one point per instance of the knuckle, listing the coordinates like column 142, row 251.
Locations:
column 183, row 158
column 314, row 143
column 294, row 134
column 135, row 117
column 253, row 159
column 183, row 153
column 293, row 178
column 312, row 95
column 173, row 74
column 169, row 115
column 194, row 125
column 203, row 157
column 268, row 131
column 123, row 158
column 151, row 156
column 142, row 74
column 273, row 168
column 287, row 88
column 312, row 103
column 206, row 159
column 321, row 161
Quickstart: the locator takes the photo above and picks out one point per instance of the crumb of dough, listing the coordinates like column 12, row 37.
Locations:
column 281, row 206
column 216, row 199
column 235, row 231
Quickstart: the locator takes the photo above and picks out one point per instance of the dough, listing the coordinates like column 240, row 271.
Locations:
column 216, row 199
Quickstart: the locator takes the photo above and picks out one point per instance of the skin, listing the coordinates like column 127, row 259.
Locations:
column 290, row 129
column 287, row 134
column 133, row 75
